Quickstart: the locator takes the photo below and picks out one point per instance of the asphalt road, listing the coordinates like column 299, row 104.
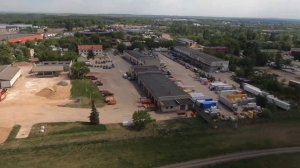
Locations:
column 234, row 157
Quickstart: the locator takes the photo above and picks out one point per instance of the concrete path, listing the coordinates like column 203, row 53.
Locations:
column 234, row 157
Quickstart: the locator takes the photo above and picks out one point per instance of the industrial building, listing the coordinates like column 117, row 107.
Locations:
column 138, row 58
column 66, row 64
column 215, row 50
column 200, row 60
column 83, row 50
column 47, row 70
column 186, row 42
column 163, row 92
column 8, row 75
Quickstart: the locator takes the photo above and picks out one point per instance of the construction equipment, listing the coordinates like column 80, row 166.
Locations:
column 3, row 94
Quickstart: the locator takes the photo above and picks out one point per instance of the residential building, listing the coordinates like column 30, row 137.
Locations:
column 83, row 50
column 164, row 93
column 9, row 75
column 200, row 60
column 139, row 58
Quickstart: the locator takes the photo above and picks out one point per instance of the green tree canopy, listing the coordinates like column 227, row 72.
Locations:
column 79, row 70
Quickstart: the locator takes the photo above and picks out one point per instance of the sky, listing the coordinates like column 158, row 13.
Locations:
column 218, row 8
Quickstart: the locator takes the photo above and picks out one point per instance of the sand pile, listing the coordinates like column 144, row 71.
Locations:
column 55, row 92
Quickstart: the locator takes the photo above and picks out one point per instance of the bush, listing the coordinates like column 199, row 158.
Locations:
column 141, row 119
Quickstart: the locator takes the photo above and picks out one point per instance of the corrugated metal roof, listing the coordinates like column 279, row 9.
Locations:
column 197, row 55
column 159, row 85
column 8, row 72
column 48, row 68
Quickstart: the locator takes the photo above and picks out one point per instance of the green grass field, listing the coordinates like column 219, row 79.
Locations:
column 86, row 90
column 284, row 161
column 160, row 144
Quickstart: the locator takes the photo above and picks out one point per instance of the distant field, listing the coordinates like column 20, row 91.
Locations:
column 284, row 161
column 85, row 90
column 160, row 144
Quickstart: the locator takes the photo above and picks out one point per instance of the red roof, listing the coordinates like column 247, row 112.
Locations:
column 90, row 47
column 25, row 38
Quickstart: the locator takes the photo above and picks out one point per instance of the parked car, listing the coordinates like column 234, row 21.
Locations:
column 91, row 77
column 106, row 93
column 98, row 83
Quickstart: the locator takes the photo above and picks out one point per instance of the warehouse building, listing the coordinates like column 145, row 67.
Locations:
column 200, row 60
column 138, row 58
column 167, row 96
column 9, row 75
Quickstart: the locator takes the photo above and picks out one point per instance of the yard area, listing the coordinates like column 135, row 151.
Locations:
column 163, row 143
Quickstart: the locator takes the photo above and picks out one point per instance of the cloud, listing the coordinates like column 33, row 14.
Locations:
column 225, row 8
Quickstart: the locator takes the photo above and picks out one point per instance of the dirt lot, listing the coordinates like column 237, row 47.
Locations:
column 285, row 76
column 39, row 100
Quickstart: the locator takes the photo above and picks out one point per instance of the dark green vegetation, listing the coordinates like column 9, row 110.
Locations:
column 94, row 116
column 85, row 91
column 141, row 119
column 286, row 161
column 79, row 70
column 13, row 133
column 13, row 52
column 160, row 144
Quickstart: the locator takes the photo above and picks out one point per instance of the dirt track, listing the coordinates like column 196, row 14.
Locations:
column 234, row 157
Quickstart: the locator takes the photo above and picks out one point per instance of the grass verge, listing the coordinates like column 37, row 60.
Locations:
column 161, row 144
column 13, row 133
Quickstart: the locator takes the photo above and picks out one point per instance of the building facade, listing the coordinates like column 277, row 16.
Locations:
column 215, row 50
column 200, row 60
column 84, row 50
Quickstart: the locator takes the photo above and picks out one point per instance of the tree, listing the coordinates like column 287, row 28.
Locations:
column 70, row 56
column 261, row 101
column 121, row 47
column 141, row 119
column 267, row 114
column 91, row 55
column 79, row 70
column 94, row 116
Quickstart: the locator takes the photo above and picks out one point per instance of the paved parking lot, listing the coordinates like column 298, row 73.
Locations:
column 189, row 78
column 126, row 92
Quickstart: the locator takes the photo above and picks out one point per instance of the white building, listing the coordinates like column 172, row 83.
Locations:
column 8, row 75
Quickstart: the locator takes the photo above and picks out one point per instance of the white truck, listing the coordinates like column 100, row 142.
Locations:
column 279, row 103
column 252, row 89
